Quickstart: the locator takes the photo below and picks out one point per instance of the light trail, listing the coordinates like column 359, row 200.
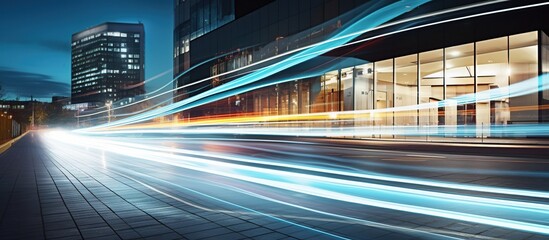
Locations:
column 147, row 95
column 236, row 205
column 336, row 131
column 60, row 156
column 328, row 182
column 226, row 125
column 382, row 26
column 367, row 22
column 503, row 191
column 499, row 212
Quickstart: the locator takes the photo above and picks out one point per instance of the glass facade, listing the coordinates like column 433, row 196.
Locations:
column 273, row 28
column 420, row 78
column 406, row 89
column 194, row 18
column 384, row 90
column 431, row 65
column 431, row 86
column 523, row 65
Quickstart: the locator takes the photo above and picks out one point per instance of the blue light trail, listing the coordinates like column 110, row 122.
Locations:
column 501, row 211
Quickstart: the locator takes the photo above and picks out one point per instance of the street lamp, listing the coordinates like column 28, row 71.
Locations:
column 109, row 105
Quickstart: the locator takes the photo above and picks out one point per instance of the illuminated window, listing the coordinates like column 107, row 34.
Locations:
column 431, row 85
column 187, row 44
column 523, row 65
column 406, row 88
column 115, row 34
column 384, row 89
column 123, row 50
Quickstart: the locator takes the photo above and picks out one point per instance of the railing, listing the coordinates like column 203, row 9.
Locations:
column 9, row 128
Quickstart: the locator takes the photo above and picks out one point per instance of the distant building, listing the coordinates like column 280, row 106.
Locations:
column 78, row 106
column 20, row 111
column 60, row 100
column 107, row 63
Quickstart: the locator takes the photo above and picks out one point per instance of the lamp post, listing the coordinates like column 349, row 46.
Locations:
column 109, row 105
column 77, row 117
column 32, row 116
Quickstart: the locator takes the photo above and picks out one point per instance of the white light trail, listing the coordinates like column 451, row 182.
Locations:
column 338, row 189
column 339, row 38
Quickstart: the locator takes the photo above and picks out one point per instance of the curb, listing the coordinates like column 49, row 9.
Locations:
column 8, row 144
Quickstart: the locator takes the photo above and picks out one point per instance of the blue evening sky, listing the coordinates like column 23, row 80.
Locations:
column 35, row 36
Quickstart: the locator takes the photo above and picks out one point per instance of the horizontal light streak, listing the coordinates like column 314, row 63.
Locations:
column 332, row 188
column 367, row 22
column 73, row 157
column 382, row 26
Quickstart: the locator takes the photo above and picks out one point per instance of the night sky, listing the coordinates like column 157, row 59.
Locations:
column 35, row 41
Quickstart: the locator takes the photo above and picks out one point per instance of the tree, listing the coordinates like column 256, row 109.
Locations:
column 40, row 114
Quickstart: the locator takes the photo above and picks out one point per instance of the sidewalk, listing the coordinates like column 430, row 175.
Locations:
column 5, row 145
column 41, row 198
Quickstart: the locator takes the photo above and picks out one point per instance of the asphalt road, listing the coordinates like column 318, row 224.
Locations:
column 60, row 185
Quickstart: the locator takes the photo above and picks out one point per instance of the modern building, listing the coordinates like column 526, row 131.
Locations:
column 450, row 49
column 107, row 63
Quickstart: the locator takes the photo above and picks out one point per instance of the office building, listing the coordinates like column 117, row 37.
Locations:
column 107, row 63
column 466, row 47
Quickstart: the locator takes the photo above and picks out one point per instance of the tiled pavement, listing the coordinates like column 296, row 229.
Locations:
column 41, row 199
column 45, row 198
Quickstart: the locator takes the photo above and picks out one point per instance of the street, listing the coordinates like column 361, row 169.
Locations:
column 64, row 185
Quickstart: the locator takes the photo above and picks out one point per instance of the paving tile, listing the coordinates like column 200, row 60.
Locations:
column 208, row 233
column 62, row 233
column 59, row 225
column 270, row 236
column 96, row 232
column 255, row 232
column 242, row 226
column 231, row 235
column 128, row 234
column 166, row 236
column 154, row 230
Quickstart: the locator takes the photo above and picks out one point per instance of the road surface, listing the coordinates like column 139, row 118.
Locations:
column 59, row 185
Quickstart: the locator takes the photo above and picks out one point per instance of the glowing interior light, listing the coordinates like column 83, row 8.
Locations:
column 455, row 53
